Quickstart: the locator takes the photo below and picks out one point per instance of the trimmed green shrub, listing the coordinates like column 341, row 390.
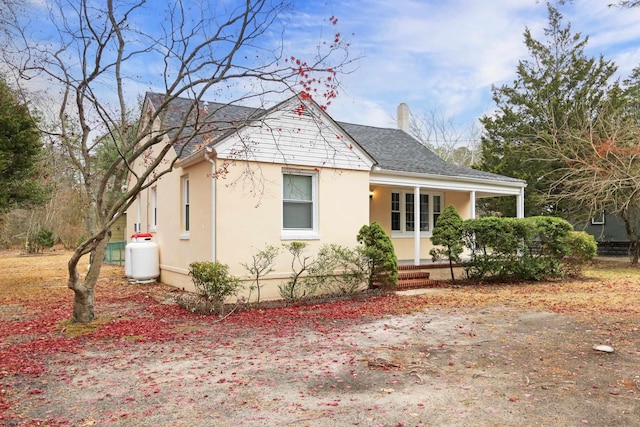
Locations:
column 582, row 249
column 381, row 256
column 448, row 233
column 494, row 244
column 518, row 248
column 214, row 283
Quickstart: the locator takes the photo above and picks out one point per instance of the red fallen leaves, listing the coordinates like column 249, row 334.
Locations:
column 32, row 334
column 141, row 330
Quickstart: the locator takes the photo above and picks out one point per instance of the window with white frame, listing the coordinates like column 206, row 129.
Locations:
column 185, row 205
column 598, row 220
column 403, row 211
column 154, row 208
column 437, row 208
column 299, row 204
column 396, row 213
column 137, row 226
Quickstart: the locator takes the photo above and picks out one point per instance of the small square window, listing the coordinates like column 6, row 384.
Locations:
column 598, row 220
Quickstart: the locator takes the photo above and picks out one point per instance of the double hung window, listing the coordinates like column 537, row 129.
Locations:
column 403, row 218
column 299, row 204
column 186, row 215
column 154, row 208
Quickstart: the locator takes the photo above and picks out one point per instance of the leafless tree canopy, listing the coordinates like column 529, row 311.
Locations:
column 93, row 57
column 442, row 135
column 601, row 168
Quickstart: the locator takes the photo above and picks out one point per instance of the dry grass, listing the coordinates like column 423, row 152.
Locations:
column 610, row 286
column 28, row 277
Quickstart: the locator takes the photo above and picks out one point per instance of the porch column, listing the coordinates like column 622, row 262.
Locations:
column 520, row 204
column 472, row 203
column 416, row 225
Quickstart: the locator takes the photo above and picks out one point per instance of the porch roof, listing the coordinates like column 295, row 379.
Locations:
column 396, row 151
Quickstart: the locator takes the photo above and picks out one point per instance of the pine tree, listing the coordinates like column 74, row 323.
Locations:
column 556, row 88
column 20, row 150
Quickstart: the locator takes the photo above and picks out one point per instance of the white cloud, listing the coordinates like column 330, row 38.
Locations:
column 448, row 54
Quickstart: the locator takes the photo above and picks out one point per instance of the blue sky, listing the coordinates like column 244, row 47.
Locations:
column 444, row 55
column 435, row 55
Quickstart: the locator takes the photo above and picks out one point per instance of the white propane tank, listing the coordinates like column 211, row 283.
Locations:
column 141, row 263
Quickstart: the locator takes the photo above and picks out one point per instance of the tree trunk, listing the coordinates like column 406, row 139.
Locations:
column 634, row 252
column 453, row 277
column 83, row 300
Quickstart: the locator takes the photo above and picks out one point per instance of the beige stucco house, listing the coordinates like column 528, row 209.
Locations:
column 293, row 173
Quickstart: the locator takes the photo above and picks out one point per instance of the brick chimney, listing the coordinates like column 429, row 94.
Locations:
column 403, row 117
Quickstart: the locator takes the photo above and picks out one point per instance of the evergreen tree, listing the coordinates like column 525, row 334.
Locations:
column 20, row 150
column 448, row 234
column 556, row 88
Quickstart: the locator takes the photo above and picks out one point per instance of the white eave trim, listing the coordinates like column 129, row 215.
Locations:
column 192, row 159
column 441, row 182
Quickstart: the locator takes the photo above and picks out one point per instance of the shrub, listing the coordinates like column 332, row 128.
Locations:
column 448, row 233
column 520, row 248
column 381, row 256
column 298, row 286
column 339, row 270
column 582, row 249
column 42, row 240
column 261, row 265
column 214, row 283
column 495, row 245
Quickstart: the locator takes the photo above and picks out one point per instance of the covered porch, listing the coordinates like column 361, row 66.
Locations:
column 407, row 207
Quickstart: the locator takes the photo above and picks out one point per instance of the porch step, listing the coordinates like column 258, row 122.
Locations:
column 412, row 267
column 413, row 276
column 417, row 283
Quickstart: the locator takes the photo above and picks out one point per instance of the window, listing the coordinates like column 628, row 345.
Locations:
column 424, row 212
column 437, row 208
column 403, row 213
column 185, row 206
column 154, row 208
column 395, row 212
column 299, row 204
column 137, row 226
column 409, row 220
column 598, row 220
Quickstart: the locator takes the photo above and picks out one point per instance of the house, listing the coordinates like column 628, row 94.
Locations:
column 291, row 173
column 610, row 232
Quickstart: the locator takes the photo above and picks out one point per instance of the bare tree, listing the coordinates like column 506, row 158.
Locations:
column 601, row 171
column 97, row 54
column 443, row 136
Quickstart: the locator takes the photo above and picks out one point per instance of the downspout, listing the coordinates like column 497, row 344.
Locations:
column 210, row 156
column 146, row 214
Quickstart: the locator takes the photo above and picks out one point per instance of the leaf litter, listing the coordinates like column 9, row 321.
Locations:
column 480, row 354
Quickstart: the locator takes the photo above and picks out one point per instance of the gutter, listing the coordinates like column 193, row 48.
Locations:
column 512, row 182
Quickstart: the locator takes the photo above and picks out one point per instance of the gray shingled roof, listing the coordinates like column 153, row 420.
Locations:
column 217, row 120
column 396, row 150
column 391, row 149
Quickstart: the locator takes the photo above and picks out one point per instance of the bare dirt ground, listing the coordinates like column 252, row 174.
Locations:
column 481, row 355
